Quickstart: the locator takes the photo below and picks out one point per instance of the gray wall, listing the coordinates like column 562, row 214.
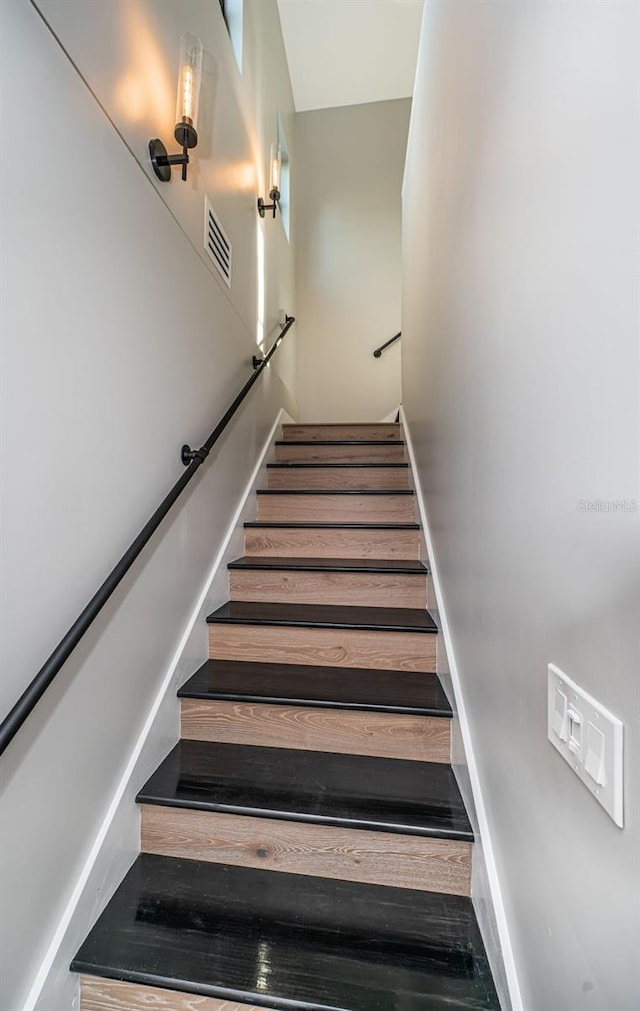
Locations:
column 118, row 344
column 348, row 244
column 520, row 380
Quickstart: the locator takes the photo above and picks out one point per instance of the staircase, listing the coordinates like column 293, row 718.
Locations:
column 305, row 846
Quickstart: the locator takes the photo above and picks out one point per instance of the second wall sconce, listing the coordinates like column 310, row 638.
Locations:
column 186, row 134
column 275, row 171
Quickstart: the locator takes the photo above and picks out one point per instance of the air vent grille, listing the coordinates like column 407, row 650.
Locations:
column 216, row 243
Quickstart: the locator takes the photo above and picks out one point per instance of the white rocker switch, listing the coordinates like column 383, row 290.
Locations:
column 575, row 731
column 594, row 763
column 560, row 722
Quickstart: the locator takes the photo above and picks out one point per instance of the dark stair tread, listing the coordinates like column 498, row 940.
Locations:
column 308, row 564
column 382, row 619
column 314, row 525
column 387, row 691
column 340, row 442
column 333, row 466
column 335, row 491
column 352, row 791
column 288, row 941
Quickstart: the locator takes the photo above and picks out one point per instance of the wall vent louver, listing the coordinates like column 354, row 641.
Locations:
column 216, row 243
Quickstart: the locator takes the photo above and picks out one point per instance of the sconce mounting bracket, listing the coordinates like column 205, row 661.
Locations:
column 273, row 206
column 160, row 160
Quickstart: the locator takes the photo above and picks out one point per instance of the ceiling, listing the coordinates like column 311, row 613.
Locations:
column 346, row 52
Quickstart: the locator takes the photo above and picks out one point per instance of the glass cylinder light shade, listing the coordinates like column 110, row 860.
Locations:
column 276, row 169
column 189, row 75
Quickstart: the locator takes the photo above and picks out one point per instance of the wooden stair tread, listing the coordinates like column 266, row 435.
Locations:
column 330, row 687
column 288, row 941
column 408, row 566
column 377, row 619
column 353, row 791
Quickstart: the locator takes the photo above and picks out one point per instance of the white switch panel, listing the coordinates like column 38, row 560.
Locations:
column 588, row 737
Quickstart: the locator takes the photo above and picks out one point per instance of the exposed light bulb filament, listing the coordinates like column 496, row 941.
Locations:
column 187, row 92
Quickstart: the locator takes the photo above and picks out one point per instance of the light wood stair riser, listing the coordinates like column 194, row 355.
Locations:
column 116, row 995
column 298, row 453
column 328, row 647
column 325, row 543
column 341, row 731
column 375, row 589
column 325, row 433
column 338, row 478
column 337, row 508
column 385, row 858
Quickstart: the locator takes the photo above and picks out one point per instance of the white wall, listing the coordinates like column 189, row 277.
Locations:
column 370, row 48
column 348, row 245
column 520, row 385
column 127, row 52
column 118, row 344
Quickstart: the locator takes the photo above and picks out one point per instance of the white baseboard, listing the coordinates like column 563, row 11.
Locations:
column 486, row 891
column 117, row 842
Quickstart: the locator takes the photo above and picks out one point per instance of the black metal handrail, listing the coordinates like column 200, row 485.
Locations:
column 383, row 347
column 192, row 458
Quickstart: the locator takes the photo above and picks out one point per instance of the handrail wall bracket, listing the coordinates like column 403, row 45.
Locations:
column 383, row 347
column 192, row 459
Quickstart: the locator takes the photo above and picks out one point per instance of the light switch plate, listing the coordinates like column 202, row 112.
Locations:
column 589, row 738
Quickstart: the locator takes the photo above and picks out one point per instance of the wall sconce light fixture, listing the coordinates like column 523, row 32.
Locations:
column 275, row 170
column 189, row 74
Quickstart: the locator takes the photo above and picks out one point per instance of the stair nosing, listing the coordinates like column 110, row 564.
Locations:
column 337, row 466
column 259, row 563
column 341, row 424
column 335, row 491
column 277, row 814
column 315, row 525
column 301, row 703
column 341, row 442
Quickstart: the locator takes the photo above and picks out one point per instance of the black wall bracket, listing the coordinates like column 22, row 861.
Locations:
column 273, row 206
column 187, row 136
column 188, row 455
